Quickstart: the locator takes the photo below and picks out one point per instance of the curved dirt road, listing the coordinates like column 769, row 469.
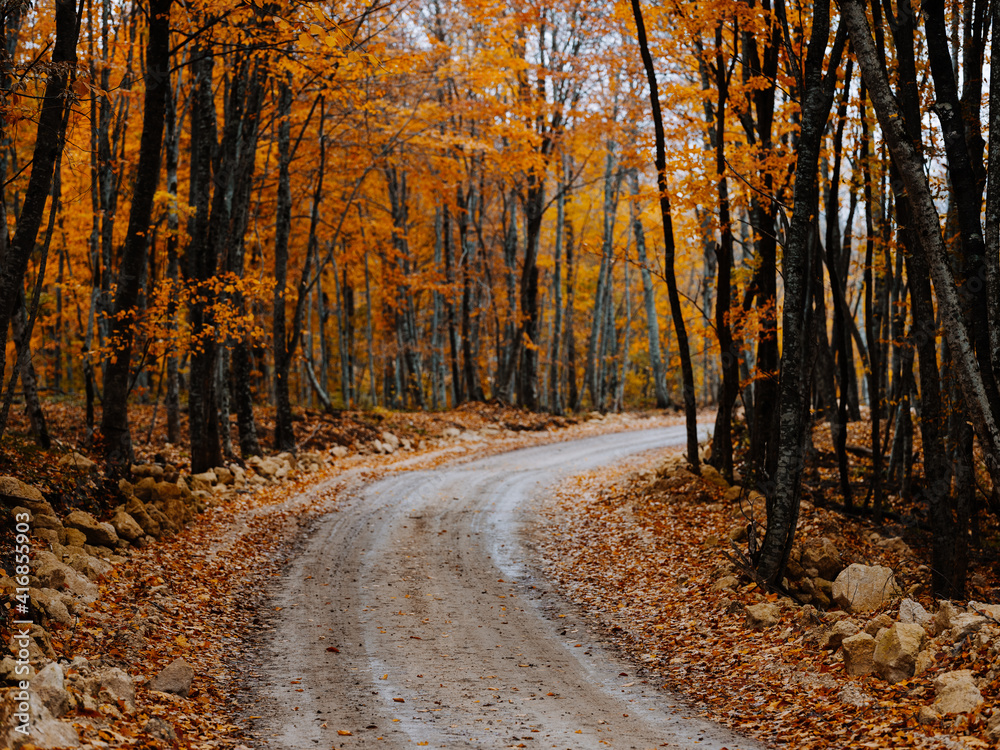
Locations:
column 443, row 634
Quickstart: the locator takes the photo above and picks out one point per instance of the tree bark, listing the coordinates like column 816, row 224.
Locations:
column 284, row 437
column 48, row 145
column 202, row 262
column 687, row 372
column 114, row 421
column 783, row 498
column 649, row 299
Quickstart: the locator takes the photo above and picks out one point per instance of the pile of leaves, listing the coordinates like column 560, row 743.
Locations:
column 644, row 559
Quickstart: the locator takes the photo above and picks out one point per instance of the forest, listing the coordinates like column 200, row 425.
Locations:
column 784, row 213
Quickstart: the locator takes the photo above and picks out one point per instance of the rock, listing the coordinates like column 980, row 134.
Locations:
column 927, row 715
column 266, row 467
column 877, row 624
column 144, row 490
column 956, row 693
column 913, row 612
column 55, row 574
column 175, row 678
column 163, row 491
column 15, row 488
column 99, row 534
column 171, row 473
column 925, row 660
column 452, row 432
column 726, row 583
column 9, row 672
column 47, row 536
column 167, row 525
column 77, row 462
column 763, row 615
column 946, row 613
column 987, row 610
column 48, row 685
column 823, row 556
column 75, row 538
column 738, row 533
column 137, row 510
column 836, row 635
column 239, row 476
column 126, row 527
column 896, row 651
column 824, row 587
column 896, row 545
column 52, row 603
column 862, row 588
column 160, row 729
column 178, row 511
column 148, row 470
column 733, row 494
column 859, row 651
column 203, row 481
column 44, row 730
column 711, row 475
column 114, row 686
column 964, row 625
column 45, row 521
column 391, row 439
column 224, row 476
column 993, row 728
column 852, row 695
column 91, row 567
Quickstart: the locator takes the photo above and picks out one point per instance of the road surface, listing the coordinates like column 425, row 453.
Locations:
column 415, row 616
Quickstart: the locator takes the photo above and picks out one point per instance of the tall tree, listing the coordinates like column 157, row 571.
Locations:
column 687, row 372
column 15, row 254
column 114, row 418
column 816, row 90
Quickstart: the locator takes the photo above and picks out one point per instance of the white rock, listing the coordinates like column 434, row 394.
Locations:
column 957, row 692
column 896, row 650
column 44, row 730
column 859, row 651
column 913, row 612
column 48, row 685
column 862, row 588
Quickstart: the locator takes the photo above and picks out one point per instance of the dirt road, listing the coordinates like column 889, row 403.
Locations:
column 414, row 616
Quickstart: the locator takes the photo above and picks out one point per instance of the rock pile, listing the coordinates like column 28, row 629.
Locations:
column 72, row 554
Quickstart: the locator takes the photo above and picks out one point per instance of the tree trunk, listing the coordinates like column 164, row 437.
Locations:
column 687, row 372
column 649, row 299
column 783, row 498
column 201, row 260
column 29, row 380
column 284, row 437
column 729, row 354
column 114, row 421
column 48, row 145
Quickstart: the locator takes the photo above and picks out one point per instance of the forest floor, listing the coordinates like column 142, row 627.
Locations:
column 642, row 563
column 646, row 561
